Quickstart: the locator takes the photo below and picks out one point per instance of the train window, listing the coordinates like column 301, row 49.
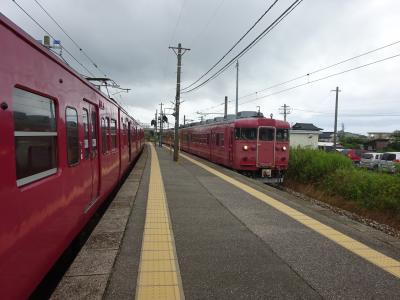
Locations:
column 85, row 123
column 104, row 129
column 246, row 133
column 94, row 134
column 282, row 134
column 71, row 116
column 113, row 133
column 35, row 136
column 266, row 134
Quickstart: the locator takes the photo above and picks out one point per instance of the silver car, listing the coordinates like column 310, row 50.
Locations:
column 390, row 162
column 370, row 160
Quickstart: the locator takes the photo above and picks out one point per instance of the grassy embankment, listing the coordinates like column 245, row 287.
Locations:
column 331, row 177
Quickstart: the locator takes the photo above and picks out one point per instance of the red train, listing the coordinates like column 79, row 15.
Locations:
column 64, row 146
column 250, row 144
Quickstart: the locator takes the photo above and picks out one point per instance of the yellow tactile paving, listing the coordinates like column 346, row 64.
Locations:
column 159, row 276
column 382, row 261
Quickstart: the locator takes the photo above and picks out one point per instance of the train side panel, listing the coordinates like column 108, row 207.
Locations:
column 48, row 138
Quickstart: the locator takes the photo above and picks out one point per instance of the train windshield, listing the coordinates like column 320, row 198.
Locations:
column 246, row 133
column 282, row 134
column 266, row 134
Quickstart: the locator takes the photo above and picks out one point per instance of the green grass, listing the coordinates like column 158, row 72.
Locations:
column 334, row 174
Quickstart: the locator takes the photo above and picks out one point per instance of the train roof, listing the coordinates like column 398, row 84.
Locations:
column 39, row 47
column 244, row 119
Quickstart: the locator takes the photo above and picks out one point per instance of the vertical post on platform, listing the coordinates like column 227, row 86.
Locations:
column 179, row 53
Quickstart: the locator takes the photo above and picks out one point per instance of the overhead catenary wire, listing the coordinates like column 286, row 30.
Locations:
column 313, row 81
column 321, row 69
column 349, row 114
column 66, row 50
column 323, row 78
column 72, row 40
column 234, row 45
column 249, row 46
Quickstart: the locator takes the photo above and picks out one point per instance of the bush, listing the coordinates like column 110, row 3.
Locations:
column 369, row 189
column 312, row 166
column 334, row 174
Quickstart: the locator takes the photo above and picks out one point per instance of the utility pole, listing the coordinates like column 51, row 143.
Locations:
column 336, row 113
column 161, row 124
column 184, row 119
column 237, row 89
column 285, row 110
column 178, row 51
column 155, row 129
column 226, row 107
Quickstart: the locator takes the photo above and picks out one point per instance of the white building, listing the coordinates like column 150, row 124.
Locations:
column 304, row 135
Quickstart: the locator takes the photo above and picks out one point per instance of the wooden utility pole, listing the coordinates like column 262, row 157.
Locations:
column 178, row 51
column 336, row 115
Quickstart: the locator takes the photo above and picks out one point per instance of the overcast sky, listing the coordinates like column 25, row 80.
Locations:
column 129, row 41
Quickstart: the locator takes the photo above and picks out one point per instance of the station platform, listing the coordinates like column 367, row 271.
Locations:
column 191, row 229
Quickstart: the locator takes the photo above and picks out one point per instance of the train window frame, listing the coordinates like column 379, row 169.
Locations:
column 22, row 181
column 113, row 134
column 239, row 133
column 285, row 137
column 86, row 148
column 73, row 163
column 104, row 143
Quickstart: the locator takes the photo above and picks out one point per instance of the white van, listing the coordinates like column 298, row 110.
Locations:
column 370, row 160
column 389, row 161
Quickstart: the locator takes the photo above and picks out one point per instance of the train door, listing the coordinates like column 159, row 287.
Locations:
column 266, row 146
column 91, row 155
column 129, row 141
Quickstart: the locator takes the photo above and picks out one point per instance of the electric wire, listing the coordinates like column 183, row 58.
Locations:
column 72, row 40
column 249, row 46
column 210, row 19
column 178, row 21
column 230, row 50
column 323, row 78
column 313, row 81
column 38, row 24
column 349, row 114
column 320, row 69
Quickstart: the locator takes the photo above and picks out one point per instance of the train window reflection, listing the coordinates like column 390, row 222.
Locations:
column 35, row 136
column 282, row 134
column 71, row 116
column 246, row 133
column 266, row 134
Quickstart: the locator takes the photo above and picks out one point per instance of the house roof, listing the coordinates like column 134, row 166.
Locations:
column 326, row 134
column 305, row 126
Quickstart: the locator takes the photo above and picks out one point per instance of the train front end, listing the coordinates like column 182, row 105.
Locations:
column 262, row 148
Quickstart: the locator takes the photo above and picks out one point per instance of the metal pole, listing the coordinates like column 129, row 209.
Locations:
column 155, row 129
column 226, row 107
column 336, row 115
column 161, row 124
column 237, row 88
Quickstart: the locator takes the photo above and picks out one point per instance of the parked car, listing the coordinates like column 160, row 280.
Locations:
column 390, row 161
column 370, row 160
column 353, row 154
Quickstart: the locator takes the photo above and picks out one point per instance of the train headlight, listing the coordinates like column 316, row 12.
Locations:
column 284, row 148
column 245, row 147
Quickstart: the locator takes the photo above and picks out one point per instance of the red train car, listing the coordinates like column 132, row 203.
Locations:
column 64, row 146
column 250, row 144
